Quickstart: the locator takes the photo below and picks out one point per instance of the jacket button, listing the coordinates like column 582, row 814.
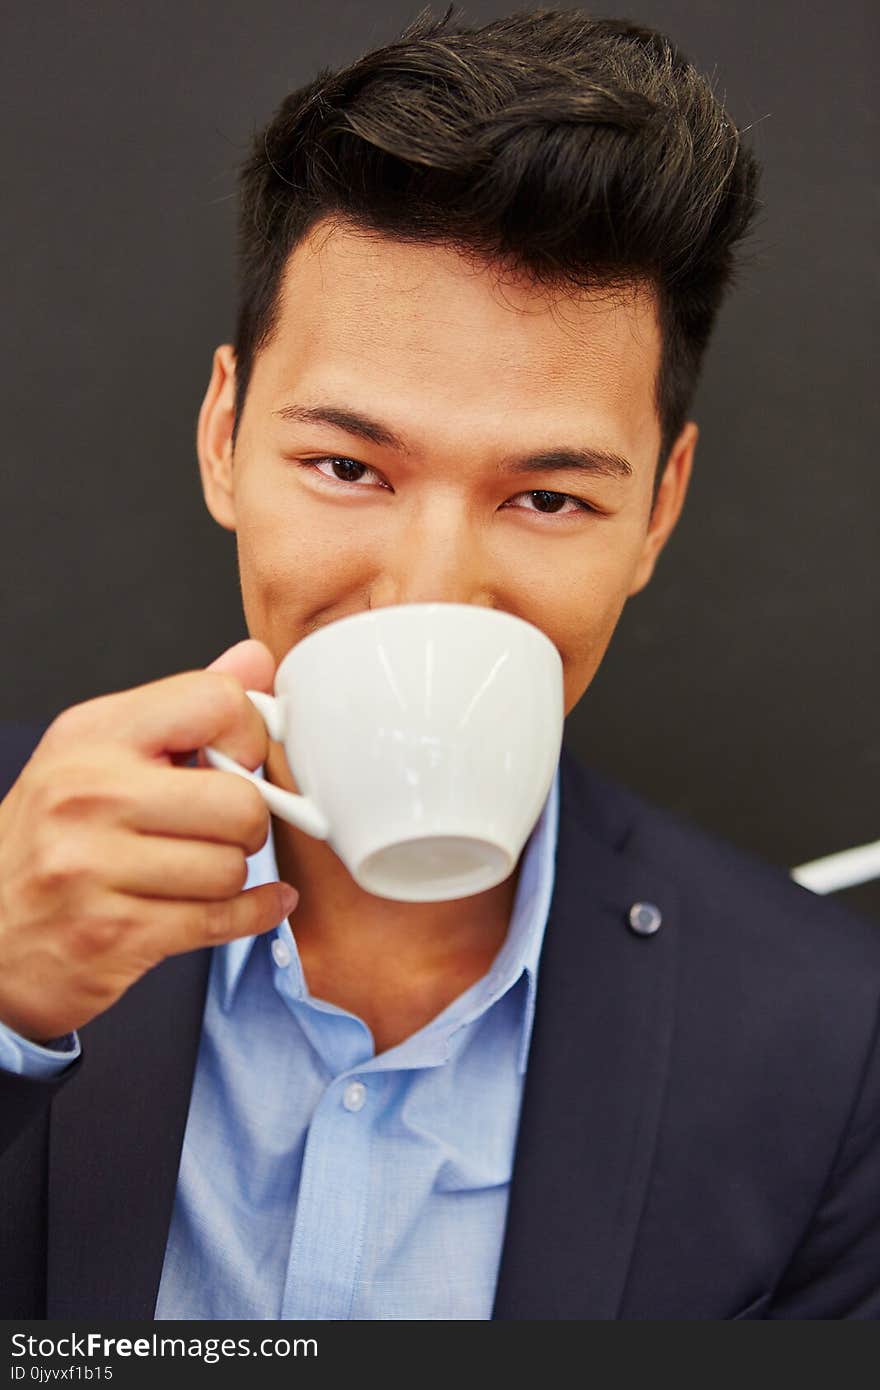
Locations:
column 645, row 918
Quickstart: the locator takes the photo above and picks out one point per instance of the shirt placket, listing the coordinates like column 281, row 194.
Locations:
column 332, row 1207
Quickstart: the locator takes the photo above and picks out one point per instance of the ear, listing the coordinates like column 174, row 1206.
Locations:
column 667, row 508
column 214, row 438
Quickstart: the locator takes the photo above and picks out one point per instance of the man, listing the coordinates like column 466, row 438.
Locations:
column 639, row 1078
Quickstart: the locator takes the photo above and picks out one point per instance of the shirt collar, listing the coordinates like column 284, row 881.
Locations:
column 519, row 953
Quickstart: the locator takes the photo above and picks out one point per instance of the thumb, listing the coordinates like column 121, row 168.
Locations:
column 251, row 661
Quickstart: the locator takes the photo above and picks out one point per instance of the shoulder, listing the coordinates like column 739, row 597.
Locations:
column 777, row 988
column 732, row 904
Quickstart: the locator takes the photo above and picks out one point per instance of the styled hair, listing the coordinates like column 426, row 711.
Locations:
column 586, row 153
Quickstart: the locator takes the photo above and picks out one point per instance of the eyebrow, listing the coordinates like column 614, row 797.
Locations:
column 595, row 461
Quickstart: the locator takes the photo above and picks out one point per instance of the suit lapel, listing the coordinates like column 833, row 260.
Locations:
column 123, row 1115
column 597, row 1066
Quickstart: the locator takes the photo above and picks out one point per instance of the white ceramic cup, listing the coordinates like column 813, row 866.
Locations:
column 424, row 738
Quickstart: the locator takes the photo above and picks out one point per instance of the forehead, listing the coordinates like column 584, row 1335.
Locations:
column 365, row 312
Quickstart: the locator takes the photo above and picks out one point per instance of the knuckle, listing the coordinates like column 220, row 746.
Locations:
column 253, row 817
column 61, row 863
column 216, row 921
column 70, row 724
column 234, row 872
column 225, row 692
column 63, row 725
column 92, row 935
column 238, row 729
column 51, row 793
column 78, row 793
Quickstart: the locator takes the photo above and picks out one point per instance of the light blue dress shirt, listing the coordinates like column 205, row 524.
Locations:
column 320, row 1180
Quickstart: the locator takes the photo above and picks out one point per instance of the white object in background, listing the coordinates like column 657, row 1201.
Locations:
column 844, row 870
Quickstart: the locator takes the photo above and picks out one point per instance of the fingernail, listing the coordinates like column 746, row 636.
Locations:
column 289, row 898
column 220, row 662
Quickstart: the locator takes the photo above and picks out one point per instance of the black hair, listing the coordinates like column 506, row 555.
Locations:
column 587, row 153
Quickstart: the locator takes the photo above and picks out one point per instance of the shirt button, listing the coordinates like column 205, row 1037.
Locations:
column 354, row 1095
column 280, row 952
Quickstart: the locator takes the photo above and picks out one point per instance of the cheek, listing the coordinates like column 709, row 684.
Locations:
column 582, row 640
column 293, row 562
column 579, row 607
column 272, row 556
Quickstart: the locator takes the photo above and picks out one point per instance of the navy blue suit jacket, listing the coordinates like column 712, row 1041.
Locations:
column 700, row 1130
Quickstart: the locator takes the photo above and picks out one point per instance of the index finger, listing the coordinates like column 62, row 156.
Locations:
column 177, row 714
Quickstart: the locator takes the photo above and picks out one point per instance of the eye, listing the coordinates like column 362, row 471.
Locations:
column 345, row 470
column 339, row 469
column 547, row 503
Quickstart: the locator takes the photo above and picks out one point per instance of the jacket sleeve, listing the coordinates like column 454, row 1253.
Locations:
column 835, row 1272
column 23, row 1099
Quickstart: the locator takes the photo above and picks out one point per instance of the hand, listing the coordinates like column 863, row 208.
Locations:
column 113, row 856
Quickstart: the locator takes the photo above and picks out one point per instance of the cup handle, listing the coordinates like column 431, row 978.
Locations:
column 300, row 811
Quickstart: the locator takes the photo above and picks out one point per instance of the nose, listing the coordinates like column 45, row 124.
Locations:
column 437, row 556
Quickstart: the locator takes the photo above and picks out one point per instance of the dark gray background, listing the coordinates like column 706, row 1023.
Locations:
column 741, row 688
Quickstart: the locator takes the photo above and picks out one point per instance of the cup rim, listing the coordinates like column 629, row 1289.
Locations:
column 371, row 614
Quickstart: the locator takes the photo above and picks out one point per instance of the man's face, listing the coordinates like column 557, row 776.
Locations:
column 424, row 469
